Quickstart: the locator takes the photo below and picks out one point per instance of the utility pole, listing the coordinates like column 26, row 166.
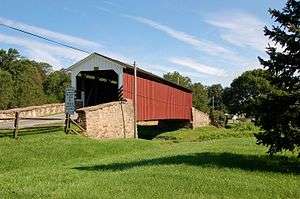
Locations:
column 135, row 101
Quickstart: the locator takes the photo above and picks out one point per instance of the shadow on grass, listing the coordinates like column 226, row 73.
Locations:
column 148, row 132
column 31, row 131
column 279, row 164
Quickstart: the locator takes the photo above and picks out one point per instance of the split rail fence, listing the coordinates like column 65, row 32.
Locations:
column 67, row 123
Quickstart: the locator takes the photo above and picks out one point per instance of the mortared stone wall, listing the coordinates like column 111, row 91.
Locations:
column 109, row 120
column 34, row 111
column 200, row 119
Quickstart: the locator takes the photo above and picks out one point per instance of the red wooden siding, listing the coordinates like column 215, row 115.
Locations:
column 158, row 101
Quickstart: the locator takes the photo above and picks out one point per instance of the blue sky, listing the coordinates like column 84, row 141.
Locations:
column 211, row 41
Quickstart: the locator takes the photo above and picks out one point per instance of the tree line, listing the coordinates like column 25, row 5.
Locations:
column 271, row 96
column 24, row 82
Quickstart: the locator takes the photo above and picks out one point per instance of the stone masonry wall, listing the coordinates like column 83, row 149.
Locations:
column 109, row 120
column 34, row 111
column 199, row 118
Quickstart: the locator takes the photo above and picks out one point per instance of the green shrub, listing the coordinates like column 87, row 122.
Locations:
column 243, row 126
column 243, row 119
column 204, row 133
column 218, row 118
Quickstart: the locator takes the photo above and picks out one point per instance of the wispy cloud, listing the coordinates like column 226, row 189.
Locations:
column 161, row 69
column 54, row 55
column 51, row 34
column 74, row 11
column 203, row 45
column 103, row 9
column 189, row 39
column 240, row 29
column 110, row 3
column 200, row 68
column 58, row 57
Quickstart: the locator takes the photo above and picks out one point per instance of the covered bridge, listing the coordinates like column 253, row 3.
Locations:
column 99, row 79
column 105, row 88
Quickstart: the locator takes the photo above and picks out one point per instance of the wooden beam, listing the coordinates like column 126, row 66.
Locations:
column 77, row 125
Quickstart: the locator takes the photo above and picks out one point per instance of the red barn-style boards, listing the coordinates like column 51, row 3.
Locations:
column 100, row 79
column 157, row 100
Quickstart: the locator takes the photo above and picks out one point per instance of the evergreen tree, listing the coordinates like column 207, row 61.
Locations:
column 279, row 111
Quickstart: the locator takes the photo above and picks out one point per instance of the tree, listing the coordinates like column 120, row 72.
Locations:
column 27, row 84
column 44, row 69
column 279, row 111
column 56, row 84
column 241, row 97
column 200, row 97
column 22, row 80
column 7, row 57
column 215, row 93
column 26, row 79
column 179, row 79
column 6, row 89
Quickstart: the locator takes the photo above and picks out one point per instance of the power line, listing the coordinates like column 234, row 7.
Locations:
column 44, row 38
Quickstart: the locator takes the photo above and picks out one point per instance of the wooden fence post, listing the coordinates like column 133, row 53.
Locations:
column 16, row 125
column 67, row 123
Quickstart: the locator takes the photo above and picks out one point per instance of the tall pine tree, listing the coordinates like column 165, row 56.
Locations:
column 279, row 111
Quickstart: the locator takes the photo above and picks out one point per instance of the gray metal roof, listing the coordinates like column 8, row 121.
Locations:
column 139, row 70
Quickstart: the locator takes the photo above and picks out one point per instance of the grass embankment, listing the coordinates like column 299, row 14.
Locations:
column 54, row 165
column 210, row 133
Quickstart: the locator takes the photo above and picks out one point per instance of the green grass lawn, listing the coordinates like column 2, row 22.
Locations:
column 202, row 134
column 47, row 163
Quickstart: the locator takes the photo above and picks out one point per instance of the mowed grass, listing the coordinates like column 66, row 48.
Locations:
column 50, row 164
column 206, row 133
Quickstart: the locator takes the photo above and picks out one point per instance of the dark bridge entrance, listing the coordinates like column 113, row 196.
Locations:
column 97, row 87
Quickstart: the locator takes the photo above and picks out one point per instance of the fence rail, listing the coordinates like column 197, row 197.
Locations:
column 9, row 118
column 39, row 118
column 67, row 123
column 31, row 118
